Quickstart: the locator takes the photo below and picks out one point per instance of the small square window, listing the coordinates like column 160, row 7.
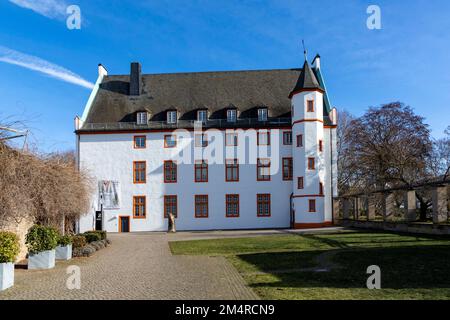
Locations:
column 170, row 141
column 263, row 138
column 231, row 115
column 139, row 142
column 231, row 139
column 287, row 138
column 262, row 114
column 171, row 117
column 141, row 118
column 201, row 140
column 202, row 115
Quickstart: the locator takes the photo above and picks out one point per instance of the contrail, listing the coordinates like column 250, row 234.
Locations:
column 37, row 64
column 53, row 9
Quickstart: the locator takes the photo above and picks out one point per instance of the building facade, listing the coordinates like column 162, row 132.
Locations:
column 219, row 150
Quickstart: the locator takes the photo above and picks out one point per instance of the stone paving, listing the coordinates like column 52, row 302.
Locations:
column 136, row 266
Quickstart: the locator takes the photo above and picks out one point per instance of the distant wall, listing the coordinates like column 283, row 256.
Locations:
column 19, row 227
column 398, row 227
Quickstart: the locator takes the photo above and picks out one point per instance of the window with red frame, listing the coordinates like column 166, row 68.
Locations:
column 320, row 145
column 201, row 140
column 321, row 188
column 170, row 172
column 312, row 205
column 139, row 172
column 170, row 206
column 170, row 141
column 310, row 106
column 299, row 140
column 232, row 205
column 201, row 171
column 311, row 164
column 263, row 170
column 287, row 138
column 300, row 183
column 231, row 139
column 287, row 169
column 201, row 206
column 231, row 170
column 139, row 210
column 263, row 138
column 263, row 205
column 139, row 142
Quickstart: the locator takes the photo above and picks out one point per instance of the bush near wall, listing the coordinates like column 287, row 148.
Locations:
column 9, row 247
column 78, row 241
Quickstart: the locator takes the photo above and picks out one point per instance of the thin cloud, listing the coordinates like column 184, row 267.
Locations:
column 37, row 64
column 53, row 9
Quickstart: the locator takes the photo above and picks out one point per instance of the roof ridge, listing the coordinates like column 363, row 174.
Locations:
column 204, row 72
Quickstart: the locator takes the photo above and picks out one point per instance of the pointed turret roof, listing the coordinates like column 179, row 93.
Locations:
column 306, row 81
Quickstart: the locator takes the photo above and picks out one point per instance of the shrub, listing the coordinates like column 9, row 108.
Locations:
column 64, row 240
column 9, row 247
column 92, row 236
column 40, row 238
column 78, row 241
column 103, row 234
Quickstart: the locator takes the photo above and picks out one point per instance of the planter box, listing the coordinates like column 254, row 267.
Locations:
column 64, row 252
column 41, row 260
column 6, row 275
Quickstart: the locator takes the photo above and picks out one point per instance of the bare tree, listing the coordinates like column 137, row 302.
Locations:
column 388, row 146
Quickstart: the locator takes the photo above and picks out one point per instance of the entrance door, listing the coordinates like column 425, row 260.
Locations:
column 124, row 224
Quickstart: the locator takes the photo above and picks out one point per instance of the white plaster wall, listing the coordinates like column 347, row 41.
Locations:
column 312, row 132
column 111, row 156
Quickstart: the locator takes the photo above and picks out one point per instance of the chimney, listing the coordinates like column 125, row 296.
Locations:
column 316, row 62
column 102, row 70
column 135, row 79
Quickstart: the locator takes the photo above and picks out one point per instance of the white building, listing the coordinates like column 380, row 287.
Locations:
column 220, row 150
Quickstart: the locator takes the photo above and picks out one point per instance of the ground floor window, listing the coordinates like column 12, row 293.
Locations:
column 139, row 209
column 170, row 206
column 232, row 205
column 201, row 206
column 263, row 205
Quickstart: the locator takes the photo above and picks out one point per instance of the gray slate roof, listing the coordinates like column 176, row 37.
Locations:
column 307, row 79
column 189, row 92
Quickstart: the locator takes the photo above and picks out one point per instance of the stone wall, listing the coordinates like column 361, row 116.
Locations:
column 398, row 227
column 19, row 227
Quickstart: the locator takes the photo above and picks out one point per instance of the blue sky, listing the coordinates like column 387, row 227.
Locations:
column 407, row 60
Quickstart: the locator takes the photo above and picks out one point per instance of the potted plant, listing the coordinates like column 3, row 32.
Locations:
column 41, row 242
column 9, row 249
column 64, row 248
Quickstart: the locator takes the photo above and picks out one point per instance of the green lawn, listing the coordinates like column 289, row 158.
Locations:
column 333, row 266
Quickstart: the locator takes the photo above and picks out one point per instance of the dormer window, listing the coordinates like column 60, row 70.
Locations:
column 262, row 114
column 202, row 115
column 231, row 115
column 142, row 118
column 171, row 117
